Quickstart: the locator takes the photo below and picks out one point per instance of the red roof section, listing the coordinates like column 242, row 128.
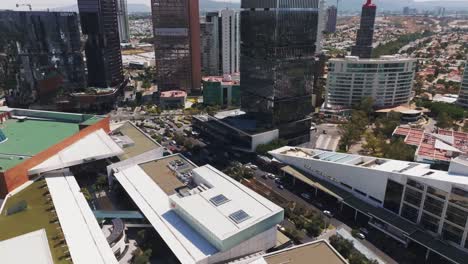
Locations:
column 369, row 4
column 426, row 142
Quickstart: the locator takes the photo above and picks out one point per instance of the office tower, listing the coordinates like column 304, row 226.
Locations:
column 40, row 57
column 220, row 42
column 365, row 34
column 122, row 21
column 388, row 80
column 177, row 44
column 277, row 62
column 102, row 48
column 463, row 96
column 210, row 38
column 332, row 13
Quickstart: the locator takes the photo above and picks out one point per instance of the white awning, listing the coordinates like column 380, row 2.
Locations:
column 95, row 146
column 84, row 237
column 441, row 145
column 28, row 248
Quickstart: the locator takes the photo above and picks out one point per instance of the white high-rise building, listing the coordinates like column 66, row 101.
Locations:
column 220, row 45
column 463, row 96
column 230, row 41
column 388, row 80
column 122, row 21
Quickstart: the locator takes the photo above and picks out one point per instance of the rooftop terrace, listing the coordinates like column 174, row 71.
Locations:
column 140, row 142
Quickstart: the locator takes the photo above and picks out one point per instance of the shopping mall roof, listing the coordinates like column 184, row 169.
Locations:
column 157, row 186
column 29, row 132
column 102, row 147
column 436, row 146
column 85, row 240
column 28, row 248
column 133, row 140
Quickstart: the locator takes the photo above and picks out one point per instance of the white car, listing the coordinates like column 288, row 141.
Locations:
column 361, row 236
column 271, row 176
column 254, row 167
column 327, row 213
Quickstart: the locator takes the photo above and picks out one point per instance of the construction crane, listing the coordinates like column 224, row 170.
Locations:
column 29, row 5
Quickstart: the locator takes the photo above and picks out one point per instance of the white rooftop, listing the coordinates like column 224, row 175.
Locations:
column 95, row 146
column 28, row 248
column 217, row 218
column 185, row 241
column 419, row 170
column 82, row 233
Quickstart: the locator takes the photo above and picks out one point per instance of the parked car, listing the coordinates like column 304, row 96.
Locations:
column 327, row 213
column 271, row 176
column 305, row 196
column 361, row 236
column 264, row 176
column 281, row 187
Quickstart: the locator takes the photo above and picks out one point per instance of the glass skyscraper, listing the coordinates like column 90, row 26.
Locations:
column 40, row 57
column 365, row 34
column 278, row 44
column 103, row 56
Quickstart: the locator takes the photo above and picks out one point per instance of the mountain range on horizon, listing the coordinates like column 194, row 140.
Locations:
column 344, row 5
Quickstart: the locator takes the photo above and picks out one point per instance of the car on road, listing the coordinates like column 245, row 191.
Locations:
column 281, row 228
column 361, row 236
column 254, row 167
column 324, row 132
column 271, row 176
column 305, row 196
column 281, row 187
column 278, row 180
column 327, row 213
column 264, row 176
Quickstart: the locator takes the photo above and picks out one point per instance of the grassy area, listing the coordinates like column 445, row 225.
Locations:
column 35, row 217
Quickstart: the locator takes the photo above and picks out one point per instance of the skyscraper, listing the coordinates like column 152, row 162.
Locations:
column 122, row 19
column 102, row 48
column 177, row 44
column 220, row 42
column 463, row 96
column 332, row 13
column 40, row 57
column 277, row 62
column 365, row 34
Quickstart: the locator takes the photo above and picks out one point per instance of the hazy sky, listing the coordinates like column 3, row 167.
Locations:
column 42, row 4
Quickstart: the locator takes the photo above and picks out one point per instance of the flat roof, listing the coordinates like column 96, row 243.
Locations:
column 419, row 171
column 85, row 239
column 141, row 141
column 153, row 194
column 28, row 138
column 28, row 248
column 314, row 252
column 158, row 170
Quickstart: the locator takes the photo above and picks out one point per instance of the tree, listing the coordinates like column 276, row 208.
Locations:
column 386, row 125
column 86, row 194
column 343, row 246
column 465, row 127
column 101, row 182
column 373, row 144
column 444, row 120
column 352, row 131
column 366, row 105
column 142, row 257
column 398, row 150
column 263, row 149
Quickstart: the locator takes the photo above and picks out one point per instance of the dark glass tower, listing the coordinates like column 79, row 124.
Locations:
column 177, row 44
column 365, row 34
column 103, row 57
column 40, row 57
column 278, row 44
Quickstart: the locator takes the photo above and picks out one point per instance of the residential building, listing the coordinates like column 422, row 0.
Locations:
column 221, row 91
column 210, row 53
column 332, row 13
column 103, row 57
column 463, row 95
column 40, row 57
column 416, row 206
column 279, row 42
column 177, row 44
column 220, row 42
column 365, row 34
column 388, row 80
column 122, row 21
column 437, row 147
column 203, row 215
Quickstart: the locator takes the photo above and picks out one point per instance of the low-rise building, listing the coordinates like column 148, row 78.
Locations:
column 387, row 80
column 408, row 201
column 173, row 99
column 221, row 91
column 203, row 215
